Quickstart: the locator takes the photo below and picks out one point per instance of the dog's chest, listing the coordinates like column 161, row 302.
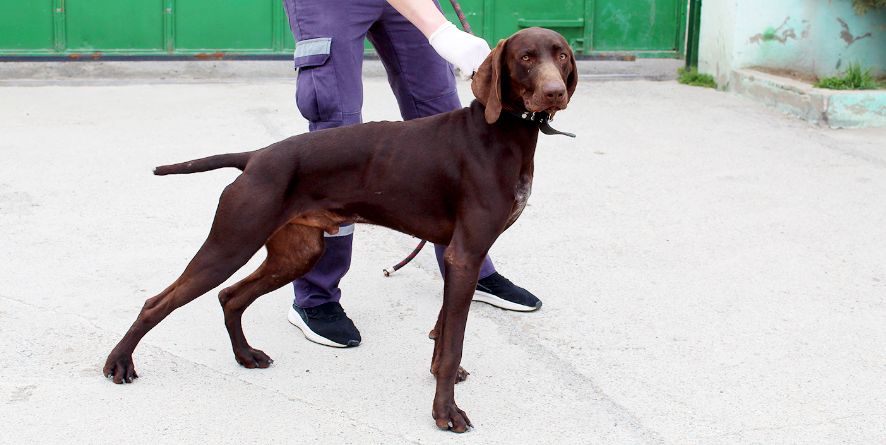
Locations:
column 521, row 195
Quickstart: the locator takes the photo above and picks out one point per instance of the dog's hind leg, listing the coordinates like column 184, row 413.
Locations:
column 292, row 252
column 247, row 214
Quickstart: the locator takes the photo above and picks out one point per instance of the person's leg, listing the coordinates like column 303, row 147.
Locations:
column 329, row 93
column 424, row 85
column 329, row 56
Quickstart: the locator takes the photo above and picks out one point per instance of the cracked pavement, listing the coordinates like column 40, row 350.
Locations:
column 712, row 272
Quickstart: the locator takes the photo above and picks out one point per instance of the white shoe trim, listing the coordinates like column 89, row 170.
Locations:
column 486, row 297
column 297, row 321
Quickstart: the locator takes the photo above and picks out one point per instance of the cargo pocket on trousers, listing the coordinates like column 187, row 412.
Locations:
column 316, row 91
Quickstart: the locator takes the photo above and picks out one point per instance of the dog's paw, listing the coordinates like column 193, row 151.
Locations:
column 450, row 417
column 252, row 358
column 120, row 369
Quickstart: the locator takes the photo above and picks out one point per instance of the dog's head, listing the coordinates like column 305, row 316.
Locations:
column 533, row 70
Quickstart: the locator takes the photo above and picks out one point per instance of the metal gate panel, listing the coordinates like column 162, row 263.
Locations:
column 111, row 25
column 26, row 25
column 567, row 18
column 224, row 28
column 284, row 33
column 225, row 25
column 649, row 25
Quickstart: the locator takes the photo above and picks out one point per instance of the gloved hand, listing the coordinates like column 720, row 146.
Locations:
column 459, row 48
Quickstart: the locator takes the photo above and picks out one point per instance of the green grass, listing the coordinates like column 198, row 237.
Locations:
column 855, row 78
column 694, row 78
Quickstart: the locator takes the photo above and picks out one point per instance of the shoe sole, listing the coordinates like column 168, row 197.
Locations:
column 490, row 299
column 297, row 321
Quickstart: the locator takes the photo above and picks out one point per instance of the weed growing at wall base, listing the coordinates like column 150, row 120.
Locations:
column 863, row 6
column 694, row 78
column 855, row 78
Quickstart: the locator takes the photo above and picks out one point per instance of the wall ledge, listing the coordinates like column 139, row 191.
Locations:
column 831, row 108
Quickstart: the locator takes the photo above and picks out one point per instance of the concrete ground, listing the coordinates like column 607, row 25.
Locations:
column 713, row 272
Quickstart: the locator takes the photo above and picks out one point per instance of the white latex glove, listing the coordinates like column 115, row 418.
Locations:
column 459, row 48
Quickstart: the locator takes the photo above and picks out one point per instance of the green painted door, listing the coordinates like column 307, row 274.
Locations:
column 646, row 25
column 108, row 25
column 226, row 25
column 568, row 18
column 26, row 26
column 260, row 27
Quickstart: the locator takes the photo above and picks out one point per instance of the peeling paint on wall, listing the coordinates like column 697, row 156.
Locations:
column 846, row 34
column 778, row 34
column 811, row 37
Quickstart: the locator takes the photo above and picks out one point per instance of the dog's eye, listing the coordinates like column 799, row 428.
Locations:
column 525, row 58
column 562, row 56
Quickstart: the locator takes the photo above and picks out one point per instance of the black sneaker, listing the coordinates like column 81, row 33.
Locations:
column 326, row 324
column 500, row 292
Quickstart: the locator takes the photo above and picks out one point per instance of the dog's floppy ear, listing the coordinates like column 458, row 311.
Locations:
column 572, row 79
column 486, row 83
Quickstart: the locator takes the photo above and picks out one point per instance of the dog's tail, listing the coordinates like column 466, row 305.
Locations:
column 237, row 160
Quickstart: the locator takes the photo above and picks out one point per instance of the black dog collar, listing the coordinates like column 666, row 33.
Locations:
column 541, row 118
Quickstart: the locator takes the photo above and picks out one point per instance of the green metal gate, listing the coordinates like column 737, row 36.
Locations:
column 93, row 28
column 227, row 28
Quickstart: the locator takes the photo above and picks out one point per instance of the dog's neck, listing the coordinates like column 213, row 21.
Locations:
column 508, row 122
column 512, row 133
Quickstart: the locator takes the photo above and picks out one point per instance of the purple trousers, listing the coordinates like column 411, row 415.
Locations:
column 329, row 38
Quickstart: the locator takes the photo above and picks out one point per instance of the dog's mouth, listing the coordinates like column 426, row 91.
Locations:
column 549, row 107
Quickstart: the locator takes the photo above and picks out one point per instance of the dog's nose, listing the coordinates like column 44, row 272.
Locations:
column 554, row 91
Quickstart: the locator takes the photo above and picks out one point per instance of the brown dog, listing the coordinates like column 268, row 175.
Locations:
column 458, row 179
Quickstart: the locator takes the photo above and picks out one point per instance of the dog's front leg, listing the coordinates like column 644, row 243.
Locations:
column 462, row 268
column 462, row 374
